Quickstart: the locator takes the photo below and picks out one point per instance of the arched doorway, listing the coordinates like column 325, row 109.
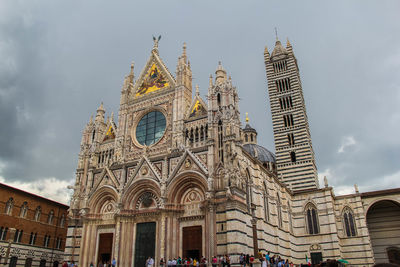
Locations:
column 383, row 221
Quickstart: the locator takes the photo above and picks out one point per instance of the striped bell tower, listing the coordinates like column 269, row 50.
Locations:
column 294, row 152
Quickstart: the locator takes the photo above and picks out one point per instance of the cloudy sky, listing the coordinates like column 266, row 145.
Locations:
column 60, row 59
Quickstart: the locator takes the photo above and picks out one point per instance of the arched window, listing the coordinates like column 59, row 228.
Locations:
column 251, row 138
column 93, row 135
column 246, row 138
column 289, row 211
column 312, row 219
column 9, row 206
column 38, row 213
column 219, row 99
column 62, row 220
column 51, row 216
column 266, row 204
column 24, row 210
column 248, row 190
column 220, row 142
column 279, row 209
column 349, row 223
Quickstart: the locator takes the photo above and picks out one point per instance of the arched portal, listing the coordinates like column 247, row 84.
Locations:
column 383, row 221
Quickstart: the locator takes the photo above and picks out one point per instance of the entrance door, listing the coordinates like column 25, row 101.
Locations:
column 105, row 247
column 316, row 258
column 192, row 242
column 145, row 242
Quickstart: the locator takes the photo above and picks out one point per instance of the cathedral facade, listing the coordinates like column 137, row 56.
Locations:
column 179, row 176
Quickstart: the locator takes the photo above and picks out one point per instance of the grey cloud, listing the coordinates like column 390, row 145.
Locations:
column 60, row 60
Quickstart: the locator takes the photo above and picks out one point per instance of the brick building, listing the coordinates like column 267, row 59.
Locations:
column 32, row 228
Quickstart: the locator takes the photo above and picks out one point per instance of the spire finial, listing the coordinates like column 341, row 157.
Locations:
column 184, row 49
column 197, row 90
column 112, row 115
column 156, row 40
column 276, row 34
column 247, row 117
column 288, row 44
column 91, row 119
column 266, row 50
column 132, row 66
column 211, row 80
column 101, row 107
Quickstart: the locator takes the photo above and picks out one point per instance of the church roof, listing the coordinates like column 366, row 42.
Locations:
column 248, row 128
column 259, row 152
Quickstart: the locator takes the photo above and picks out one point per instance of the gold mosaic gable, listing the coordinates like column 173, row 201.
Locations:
column 153, row 80
column 110, row 134
column 198, row 109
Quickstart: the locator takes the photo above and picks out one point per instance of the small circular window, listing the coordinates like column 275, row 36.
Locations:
column 150, row 128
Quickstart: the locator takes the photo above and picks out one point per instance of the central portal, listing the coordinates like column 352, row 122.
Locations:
column 105, row 248
column 192, row 242
column 145, row 242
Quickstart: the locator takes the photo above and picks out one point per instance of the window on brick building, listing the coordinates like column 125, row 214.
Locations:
column 3, row 233
column 62, row 220
column 9, row 206
column 18, row 236
column 293, row 156
column 24, row 210
column 50, row 218
column 38, row 213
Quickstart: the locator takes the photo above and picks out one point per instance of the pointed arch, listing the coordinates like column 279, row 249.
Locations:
column 279, row 209
column 266, row 202
column 141, row 190
column 349, row 222
column 9, row 206
column 102, row 195
column 311, row 215
column 180, row 184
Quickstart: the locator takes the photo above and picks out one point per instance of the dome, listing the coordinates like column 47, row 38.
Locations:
column 259, row 152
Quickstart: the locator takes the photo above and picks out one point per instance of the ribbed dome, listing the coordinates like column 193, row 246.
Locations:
column 259, row 152
column 279, row 49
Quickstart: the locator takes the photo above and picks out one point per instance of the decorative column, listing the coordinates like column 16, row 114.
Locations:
column 255, row 237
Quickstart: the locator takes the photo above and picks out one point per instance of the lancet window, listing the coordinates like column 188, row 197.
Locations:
column 24, row 210
column 280, row 66
column 349, row 223
column 9, row 206
column 312, row 219
column 283, row 85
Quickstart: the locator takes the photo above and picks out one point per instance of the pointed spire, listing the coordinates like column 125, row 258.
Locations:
column 211, row 81
column 101, row 108
column 247, row 117
column 220, row 73
column 184, row 49
column 288, row 44
column 197, row 90
column 266, row 51
column 91, row 119
column 112, row 116
column 100, row 113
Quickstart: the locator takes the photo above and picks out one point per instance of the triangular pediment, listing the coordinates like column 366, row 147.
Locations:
column 110, row 132
column 189, row 162
column 106, row 178
column 145, row 169
column 197, row 109
column 154, row 76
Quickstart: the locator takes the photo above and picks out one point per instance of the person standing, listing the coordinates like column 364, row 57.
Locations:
column 214, row 261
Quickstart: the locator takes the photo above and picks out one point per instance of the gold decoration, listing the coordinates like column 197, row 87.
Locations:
column 153, row 81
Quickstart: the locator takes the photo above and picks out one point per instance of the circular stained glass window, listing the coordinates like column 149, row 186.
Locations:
column 150, row 128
